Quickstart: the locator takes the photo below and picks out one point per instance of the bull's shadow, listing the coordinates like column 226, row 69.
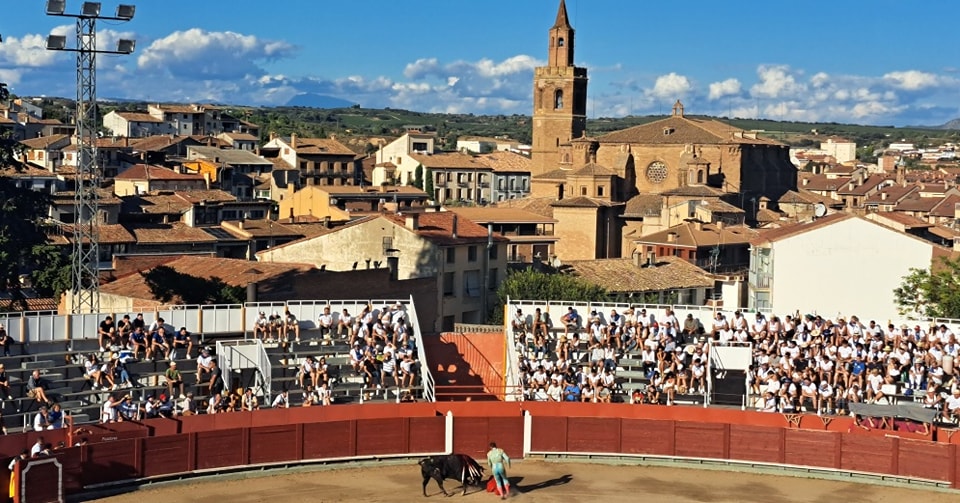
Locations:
column 515, row 483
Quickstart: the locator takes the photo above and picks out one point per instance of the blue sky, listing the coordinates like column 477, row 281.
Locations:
column 877, row 62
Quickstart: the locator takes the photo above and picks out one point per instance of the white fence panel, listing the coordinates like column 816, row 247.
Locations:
column 11, row 323
column 181, row 316
column 222, row 319
column 84, row 326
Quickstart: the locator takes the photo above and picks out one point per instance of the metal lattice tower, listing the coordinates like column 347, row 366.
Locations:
column 85, row 263
column 86, row 236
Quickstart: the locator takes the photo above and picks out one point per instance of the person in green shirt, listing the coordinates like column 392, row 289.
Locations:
column 496, row 458
column 174, row 379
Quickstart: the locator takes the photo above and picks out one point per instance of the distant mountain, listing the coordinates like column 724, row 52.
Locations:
column 954, row 124
column 318, row 101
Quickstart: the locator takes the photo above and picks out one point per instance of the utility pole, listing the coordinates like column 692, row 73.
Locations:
column 86, row 251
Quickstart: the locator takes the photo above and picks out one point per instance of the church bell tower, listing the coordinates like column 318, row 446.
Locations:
column 559, row 98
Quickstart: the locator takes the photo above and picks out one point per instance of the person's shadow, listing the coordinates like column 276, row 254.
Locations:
column 559, row 481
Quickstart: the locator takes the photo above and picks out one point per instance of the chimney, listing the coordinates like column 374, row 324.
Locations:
column 651, row 257
column 393, row 264
column 240, row 224
column 454, row 226
column 293, row 140
column 412, row 221
column 273, row 135
column 806, row 181
column 671, row 237
column 698, row 225
column 883, row 196
column 720, row 225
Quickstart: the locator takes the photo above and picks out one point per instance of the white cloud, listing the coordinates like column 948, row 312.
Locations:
column 776, row 81
column 200, row 54
column 671, row 86
column 29, row 50
column 727, row 87
column 912, row 80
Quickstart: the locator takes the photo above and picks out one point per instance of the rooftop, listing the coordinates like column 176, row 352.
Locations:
column 683, row 130
column 151, row 172
column 624, row 276
column 451, row 160
column 496, row 214
column 227, row 155
column 505, row 161
column 696, row 234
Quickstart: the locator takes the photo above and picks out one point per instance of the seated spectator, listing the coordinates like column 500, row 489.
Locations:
column 325, row 323
column 94, row 371
column 249, row 401
column 122, row 333
column 519, row 323
column 174, row 379
column 571, row 392
column 41, row 420
column 118, row 374
column 277, row 325
column 138, row 321
column 262, row 328
column 6, row 342
column 541, row 325
column 158, row 345
column 105, row 332
column 108, row 412
column 127, row 410
column 186, row 405
column 282, row 401
column 951, row 407
column 407, row 396
column 232, row 403
column 4, row 383
column 324, row 394
column 138, row 341
column 204, row 364
column 370, row 371
column 165, row 406
column 182, row 344
column 388, row 367
column 151, row 409
column 290, row 325
column 307, row 369
column 356, row 357
column 345, row 325
column 36, row 387
column 571, row 322
column 408, row 371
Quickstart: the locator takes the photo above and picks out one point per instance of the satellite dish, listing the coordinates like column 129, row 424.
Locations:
column 819, row 210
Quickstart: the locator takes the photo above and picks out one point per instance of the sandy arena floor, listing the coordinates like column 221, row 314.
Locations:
column 533, row 481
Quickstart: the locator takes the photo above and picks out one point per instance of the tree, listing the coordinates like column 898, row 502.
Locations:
column 530, row 284
column 169, row 285
column 931, row 293
column 418, row 177
column 428, row 183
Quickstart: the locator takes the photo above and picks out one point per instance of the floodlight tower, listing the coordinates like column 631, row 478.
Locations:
column 86, row 250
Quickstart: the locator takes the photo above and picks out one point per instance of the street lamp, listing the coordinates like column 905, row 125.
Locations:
column 86, row 255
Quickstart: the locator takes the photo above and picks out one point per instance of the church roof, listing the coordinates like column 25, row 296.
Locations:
column 643, row 205
column 694, row 191
column 583, row 202
column 556, row 174
column 683, row 130
column 593, row 169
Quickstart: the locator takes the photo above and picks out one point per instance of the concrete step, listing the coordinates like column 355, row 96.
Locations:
column 40, row 364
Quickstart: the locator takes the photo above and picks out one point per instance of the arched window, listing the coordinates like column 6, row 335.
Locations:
column 560, row 42
column 558, row 99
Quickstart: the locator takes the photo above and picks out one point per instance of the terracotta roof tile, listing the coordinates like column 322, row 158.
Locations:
column 682, row 130
column 868, row 185
column 623, row 276
column 779, row 233
column 496, row 214
column 108, row 234
column 176, row 232
column 157, row 143
column 893, row 194
column 539, row 205
column 643, row 205
column 233, row 272
column 259, row 229
column 918, row 204
column 946, row 207
column 908, row 221
column 46, row 142
column 692, row 234
column 556, row 174
column 139, row 117
column 505, row 161
column 307, row 146
column 150, row 172
column 452, row 160
column 593, row 169
column 437, row 227
column 822, row 183
column 583, row 202
column 694, row 191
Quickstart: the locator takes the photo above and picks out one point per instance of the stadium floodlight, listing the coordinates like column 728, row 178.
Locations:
column 125, row 12
column 125, row 46
column 56, row 42
column 90, row 9
column 56, row 7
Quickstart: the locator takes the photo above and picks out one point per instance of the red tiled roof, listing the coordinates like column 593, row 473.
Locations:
column 45, row 142
column 822, row 183
column 308, row 146
column 176, row 232
column 946, row 207
column 138, row 117
column 149, row 172
column 779, row 233
column 683, row 130
column 452, row 160
column 437, row 227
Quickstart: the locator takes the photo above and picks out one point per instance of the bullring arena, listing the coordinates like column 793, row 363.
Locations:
column 365, row 447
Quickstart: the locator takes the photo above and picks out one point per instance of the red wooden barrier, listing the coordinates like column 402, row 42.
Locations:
column 129, row 451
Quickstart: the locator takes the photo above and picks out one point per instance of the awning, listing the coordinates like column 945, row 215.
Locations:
column 914, row 412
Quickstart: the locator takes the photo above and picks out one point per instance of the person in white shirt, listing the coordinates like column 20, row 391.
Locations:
column 204, row 364
column 344, row 324
column 262, row 327
column 951, row 409
column 282, row 401
column 40, row 421
column 108, row 411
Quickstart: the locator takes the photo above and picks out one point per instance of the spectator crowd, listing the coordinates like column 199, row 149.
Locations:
column 800, row 363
